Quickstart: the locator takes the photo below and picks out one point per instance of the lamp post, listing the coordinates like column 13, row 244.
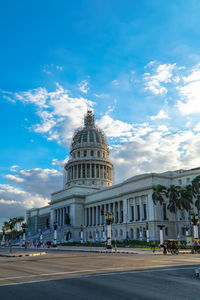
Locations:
column 161, row 234
column 195, row 222
column 55, row 226
column 81, row 234
column 147, row 231
column 3, row 239
column 109, row 221
column 24, row 226
column 102, row 216
column 103, row 234
column 141, row 236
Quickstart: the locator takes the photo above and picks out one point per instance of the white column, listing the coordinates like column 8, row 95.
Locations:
column 97, row 222
column 85, row 217
column 129, row 210
column 89, row 216
column 60, row 216
column 64, row 215
column 114, row 214
column 119, row 213
column 90, row 170
column 104, row 217
column 124, row 211
column 141, row 215
column 93, row 216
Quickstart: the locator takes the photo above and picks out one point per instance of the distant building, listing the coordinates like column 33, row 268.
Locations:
column 88, row 194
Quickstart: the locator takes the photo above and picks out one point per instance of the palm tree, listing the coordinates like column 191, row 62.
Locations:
column 196, row 192
column 10, row 225
column 174, row 195
column 186, row 196
column 158, row 196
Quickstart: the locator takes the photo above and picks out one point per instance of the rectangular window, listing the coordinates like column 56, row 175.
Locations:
column 180, row 182
column 92, row 170
column 138, row 212
column 145, row 211
column 97, row 166
column 83, row 166
column 88, row 171
column 188, row 180
column 132, row 213
column 85, row 153
column 79, row 171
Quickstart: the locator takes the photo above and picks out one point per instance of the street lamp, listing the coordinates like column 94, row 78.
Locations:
column 109, row 221
column 195, row 221
column 24, row 227
column 81, row 234
column 147, row 231
column 55, row 226
column 3, row 239
column 161, row 234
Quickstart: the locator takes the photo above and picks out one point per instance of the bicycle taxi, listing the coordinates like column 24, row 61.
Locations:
column 171, row 246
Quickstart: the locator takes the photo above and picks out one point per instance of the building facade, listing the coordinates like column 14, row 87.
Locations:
column 88, row 194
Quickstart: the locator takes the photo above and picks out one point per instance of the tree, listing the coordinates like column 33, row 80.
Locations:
column 196, row 192
column 174, row 195
column 10, row 226
column 186, row 197
column 158, row 196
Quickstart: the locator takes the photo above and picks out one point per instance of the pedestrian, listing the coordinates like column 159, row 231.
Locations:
column 153, row 246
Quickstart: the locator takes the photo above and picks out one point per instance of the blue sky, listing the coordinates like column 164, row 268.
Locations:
column 135, row 63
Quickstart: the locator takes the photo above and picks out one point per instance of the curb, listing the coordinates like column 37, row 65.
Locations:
column 23, row 255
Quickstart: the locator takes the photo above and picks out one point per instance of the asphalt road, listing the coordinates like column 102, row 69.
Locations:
column 164, row 283
column 89, row 275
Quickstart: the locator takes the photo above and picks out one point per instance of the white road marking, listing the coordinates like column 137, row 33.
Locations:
column 60, row 273
column 90, row 275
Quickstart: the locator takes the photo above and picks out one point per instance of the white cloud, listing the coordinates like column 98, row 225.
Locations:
column 60, row 68
column 59, row 114
column 197, row 127
column 83, row 86
column 27, row 189
column 151, row 153
column 37, row 181
column 162, row 74
column 161, row 115
column 115, row 82
column 114, row 128
column 163, row 128
column 189, row 91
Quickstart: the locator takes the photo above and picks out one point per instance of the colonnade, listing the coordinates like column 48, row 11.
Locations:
column 62, row 216
column 89, row 170
column 127, row 210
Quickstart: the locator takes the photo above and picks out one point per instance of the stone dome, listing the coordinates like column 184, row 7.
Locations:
column 89, row 135
column 89, row 162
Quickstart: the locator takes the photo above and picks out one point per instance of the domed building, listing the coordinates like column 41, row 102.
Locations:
column 89, row 163
column 79, row 209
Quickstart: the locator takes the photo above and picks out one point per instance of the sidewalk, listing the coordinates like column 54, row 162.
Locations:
column 119, row 250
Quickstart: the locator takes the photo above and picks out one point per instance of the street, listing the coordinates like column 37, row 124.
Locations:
column 80, row 275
